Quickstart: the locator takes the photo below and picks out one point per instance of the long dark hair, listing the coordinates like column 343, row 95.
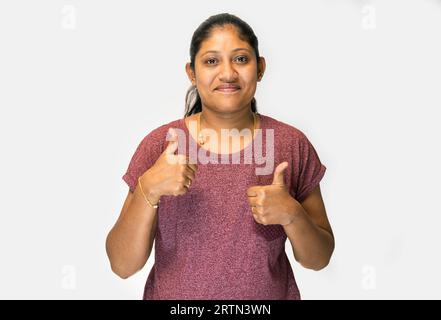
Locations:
column 192, row 99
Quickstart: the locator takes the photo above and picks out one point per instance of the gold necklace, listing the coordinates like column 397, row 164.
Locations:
column 202, row 138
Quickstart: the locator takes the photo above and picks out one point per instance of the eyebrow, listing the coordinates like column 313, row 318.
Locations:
column 214, row 51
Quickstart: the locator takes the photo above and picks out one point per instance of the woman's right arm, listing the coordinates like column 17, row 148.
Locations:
column 130, row 241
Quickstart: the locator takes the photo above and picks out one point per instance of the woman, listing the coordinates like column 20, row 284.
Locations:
column 220, row 227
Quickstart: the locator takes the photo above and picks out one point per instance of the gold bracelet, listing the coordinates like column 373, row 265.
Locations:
column 145, row 197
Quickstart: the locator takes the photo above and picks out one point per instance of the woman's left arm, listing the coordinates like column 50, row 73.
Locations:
column 305, row 224
column 309, row 232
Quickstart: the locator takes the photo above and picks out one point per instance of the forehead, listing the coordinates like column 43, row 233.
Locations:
column 223, row 38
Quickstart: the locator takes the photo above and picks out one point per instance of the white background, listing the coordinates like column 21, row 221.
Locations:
column 82, row 82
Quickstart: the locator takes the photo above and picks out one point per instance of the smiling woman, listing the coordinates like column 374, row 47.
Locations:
column 220, row 228
column 225, row 53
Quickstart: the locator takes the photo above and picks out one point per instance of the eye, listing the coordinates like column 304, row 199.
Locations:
column 210, row 61
column 242, row 59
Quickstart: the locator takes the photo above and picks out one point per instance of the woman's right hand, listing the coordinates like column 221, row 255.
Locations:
column 170, row 175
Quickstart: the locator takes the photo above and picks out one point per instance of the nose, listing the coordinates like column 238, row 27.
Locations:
column 228, row 73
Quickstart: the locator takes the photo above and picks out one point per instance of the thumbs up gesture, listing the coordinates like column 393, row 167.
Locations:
column 272, row 204
column 171, row 174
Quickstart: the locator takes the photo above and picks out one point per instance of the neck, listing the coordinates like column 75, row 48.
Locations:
column 217, row 121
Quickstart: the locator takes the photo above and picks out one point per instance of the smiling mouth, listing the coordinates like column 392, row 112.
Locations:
column 228, row 90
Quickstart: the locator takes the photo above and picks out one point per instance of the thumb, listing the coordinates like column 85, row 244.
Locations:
column 172, row 139
column 278, row 174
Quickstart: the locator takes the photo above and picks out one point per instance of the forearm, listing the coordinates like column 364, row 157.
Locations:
column 130, row 241
column 312, row 245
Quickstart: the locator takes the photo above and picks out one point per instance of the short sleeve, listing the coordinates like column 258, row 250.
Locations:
column 310, row 169
column 146, row 154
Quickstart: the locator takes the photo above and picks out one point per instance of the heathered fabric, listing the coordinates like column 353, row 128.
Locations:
column 208, row 245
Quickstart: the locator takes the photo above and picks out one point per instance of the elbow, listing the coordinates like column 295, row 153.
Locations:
column 320, row 260
column 123, row 268
column 323, row 261
column 122, row 264
column 118, row 265
column 315, row 266
column 321, row 266
column 122, row 272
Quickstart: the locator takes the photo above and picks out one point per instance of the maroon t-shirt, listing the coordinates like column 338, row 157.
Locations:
column 208, row 245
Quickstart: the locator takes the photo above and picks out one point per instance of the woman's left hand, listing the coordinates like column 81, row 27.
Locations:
column 272, row 204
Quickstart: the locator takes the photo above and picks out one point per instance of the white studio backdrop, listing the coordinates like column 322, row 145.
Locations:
column 82, row 82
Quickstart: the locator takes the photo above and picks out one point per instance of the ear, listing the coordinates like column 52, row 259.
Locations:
column 261, row 66
column 190, row 73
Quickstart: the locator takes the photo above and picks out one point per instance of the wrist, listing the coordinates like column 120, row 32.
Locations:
column 296, row 211
column 148, row 192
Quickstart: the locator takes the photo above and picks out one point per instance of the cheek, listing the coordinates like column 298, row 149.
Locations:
column 251, row 85
column 205, row 82
column 250, row 78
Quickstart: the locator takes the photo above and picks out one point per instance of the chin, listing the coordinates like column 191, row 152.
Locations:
column 228, row 107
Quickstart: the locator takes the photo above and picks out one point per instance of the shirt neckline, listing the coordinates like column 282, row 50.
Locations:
column 241, row 152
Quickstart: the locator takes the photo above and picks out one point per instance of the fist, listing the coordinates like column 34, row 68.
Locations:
column 272, row 204
column 171, row 174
